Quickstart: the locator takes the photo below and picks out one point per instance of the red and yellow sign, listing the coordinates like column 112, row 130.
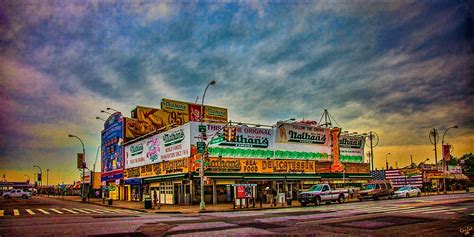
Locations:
column 162, row 168
column 336, row 165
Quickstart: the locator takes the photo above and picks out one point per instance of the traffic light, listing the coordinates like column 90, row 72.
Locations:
column 233, row 133
column 227, row 133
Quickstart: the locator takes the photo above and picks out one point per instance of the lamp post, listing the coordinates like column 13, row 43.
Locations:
column 28, row 178
column 373, row 142
column 83, row 164
column 99, row 118
column 112, row 109
column 202, row 205
column 47, row 177
column 386, row 161
column 105, row 112
column 434, row 138
column 40, row 174
column 444, row 159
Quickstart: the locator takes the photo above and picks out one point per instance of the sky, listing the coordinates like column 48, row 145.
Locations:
column 398, row 68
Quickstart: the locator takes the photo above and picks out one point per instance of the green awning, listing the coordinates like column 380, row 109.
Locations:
column 262, row 176
column 163, row 177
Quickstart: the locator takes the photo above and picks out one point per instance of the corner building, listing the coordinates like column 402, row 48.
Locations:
column 287, row 157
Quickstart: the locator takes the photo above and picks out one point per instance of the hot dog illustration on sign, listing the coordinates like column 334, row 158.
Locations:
column 336, row 165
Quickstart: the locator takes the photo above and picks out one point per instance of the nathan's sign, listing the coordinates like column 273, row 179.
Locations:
column 175, row 166
column 251, row 137
column 302, row 133
column 176, row 143
column 233, row 165
column 174, row 137
column 351, row 142
column 224, row 165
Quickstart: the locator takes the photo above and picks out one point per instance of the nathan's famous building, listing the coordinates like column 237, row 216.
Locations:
column 287, row 157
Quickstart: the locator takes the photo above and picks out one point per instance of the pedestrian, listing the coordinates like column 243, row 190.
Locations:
column 155, row 200
column 274, row 194
column 97, row 193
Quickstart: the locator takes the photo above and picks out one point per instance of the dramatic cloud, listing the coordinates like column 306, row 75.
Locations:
column 397, row 68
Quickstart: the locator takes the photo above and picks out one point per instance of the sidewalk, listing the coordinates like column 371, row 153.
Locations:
column 187, row 209
column 171, row 208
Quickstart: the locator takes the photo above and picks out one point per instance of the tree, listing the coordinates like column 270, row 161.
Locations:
column 468, row 166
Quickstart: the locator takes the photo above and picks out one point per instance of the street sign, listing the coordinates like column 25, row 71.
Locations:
column 200, row 146
column 202, row 128
column 39, row 177
column 80, row 160
column 217, row 140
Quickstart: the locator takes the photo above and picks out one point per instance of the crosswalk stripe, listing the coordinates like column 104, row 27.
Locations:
column 437, row 211
column 390, row 209
column 422, row 209
column 94, row 211
column 458, row 209
column 56, row 211
column 71, row 211
column 43, row 211
column 449, row 213
column 77, row 209
column 2, row 212
column 16, row 212
column 106, row 211
column 30, row 211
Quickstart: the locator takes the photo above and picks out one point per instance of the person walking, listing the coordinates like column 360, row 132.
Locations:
column 155, row 200
column 274, row 196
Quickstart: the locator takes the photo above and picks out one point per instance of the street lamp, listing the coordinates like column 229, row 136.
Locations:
column 386, row 160
column 434, row 138
column 113, row 110
column 103, row 111
column 28, row 178
column 83, row 164
column 202, row 205
column 47, row 177
column 444, row 158
column 40, row 174
column 99, row 118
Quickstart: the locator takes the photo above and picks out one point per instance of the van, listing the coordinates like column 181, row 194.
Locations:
column 376, row 189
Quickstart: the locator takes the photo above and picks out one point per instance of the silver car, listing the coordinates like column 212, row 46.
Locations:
column 407, row 191
column 16, row 193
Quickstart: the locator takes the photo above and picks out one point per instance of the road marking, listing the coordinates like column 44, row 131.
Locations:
column 77, row 209
column 106, row 211
column 458, row 209
column 437, row 211
column 422, row 209
column 56, row 211
column 2, row 212
column 391, row 209
column 30, row 211
column 71, row 211
column 43, row 211
column 16, row 212
column 94, row 211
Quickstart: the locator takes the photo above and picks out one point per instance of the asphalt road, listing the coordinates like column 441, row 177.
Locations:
column 444, row 215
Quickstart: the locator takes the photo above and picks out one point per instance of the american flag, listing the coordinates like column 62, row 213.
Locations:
column 399, row 180
column 378, row 174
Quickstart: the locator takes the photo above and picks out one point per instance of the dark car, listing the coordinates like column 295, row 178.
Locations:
column 376, row 190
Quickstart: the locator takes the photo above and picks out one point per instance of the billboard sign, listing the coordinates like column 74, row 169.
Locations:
column 192, row 112
column 351, row 148
column 175, row 143
column 112, row 149
column 169, row 145
column 302, row 133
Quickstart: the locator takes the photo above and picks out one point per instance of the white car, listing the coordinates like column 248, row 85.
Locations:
column 16, row 193
column 407, row 191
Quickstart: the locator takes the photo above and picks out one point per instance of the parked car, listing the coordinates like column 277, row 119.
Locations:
column 322, row 193
column 407, row 191
column 16, row 193
column 33, row 191
column 375, row 190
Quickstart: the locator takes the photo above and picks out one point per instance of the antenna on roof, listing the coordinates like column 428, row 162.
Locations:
column 327, row 120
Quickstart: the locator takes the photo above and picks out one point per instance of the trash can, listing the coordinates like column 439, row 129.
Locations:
column 109, row 201
column 147, row 203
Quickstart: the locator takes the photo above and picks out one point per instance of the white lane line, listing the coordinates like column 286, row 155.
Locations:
column 71, row 211
column 43, row 211
column 77, row 209
column 458, row 209
column 106, row 211
column 2, row 212
column 449, row 213
column 429, row 212
column 16, row 212
column 423, row 209
column 123, row 211
column 30, row 211
column 56, row 211
column 391, row 209
column 94, row 211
